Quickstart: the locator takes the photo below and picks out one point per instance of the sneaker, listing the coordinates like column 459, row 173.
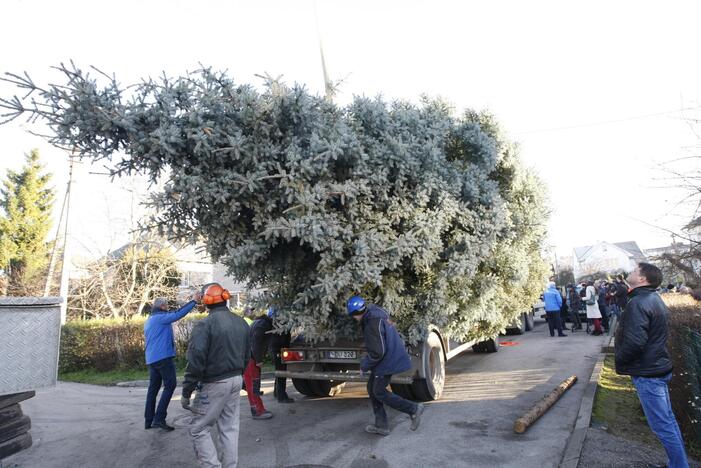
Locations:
column 372, row 429
column 416, row 417
column 264, row 415
column 162, row 425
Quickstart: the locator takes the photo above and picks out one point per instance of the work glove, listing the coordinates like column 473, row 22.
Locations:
column 185, row 402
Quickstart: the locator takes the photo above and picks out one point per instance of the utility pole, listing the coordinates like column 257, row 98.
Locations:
column 65, row 210
column 328, row 84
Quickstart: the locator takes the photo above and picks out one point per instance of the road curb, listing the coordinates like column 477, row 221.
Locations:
column 573, row 449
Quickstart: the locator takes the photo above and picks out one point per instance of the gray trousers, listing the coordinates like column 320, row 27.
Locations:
column 217, row 403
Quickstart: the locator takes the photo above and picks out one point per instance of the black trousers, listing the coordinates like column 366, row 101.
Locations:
column 554, row 322
column 379, row 397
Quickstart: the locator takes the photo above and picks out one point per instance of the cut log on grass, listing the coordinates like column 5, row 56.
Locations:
column 543, row 405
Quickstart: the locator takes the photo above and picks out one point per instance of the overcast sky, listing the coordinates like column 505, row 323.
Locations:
column 595, row 92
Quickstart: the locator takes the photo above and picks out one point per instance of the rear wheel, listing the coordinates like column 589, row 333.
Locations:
column 433, row 369
column 303, row 386
column 403, row 390
column 326, row 388
column 488, row 346
column 530, row 321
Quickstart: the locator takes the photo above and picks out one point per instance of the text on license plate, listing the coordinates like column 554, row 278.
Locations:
column 342, row 354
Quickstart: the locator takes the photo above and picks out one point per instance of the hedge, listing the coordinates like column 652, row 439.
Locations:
column 108, row 344
column 685, row 348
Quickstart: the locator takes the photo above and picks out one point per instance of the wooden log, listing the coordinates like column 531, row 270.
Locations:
column 522, row 423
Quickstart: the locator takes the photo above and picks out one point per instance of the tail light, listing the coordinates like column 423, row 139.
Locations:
column 289, row 355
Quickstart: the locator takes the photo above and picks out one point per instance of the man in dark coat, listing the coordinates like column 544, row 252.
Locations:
column 386, row 356
column 260, row 343
column 641, row 352
column 216, row 355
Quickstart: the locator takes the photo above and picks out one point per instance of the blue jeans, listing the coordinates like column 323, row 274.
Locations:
column 160, row 372
column 379, row 396
column 654, row 397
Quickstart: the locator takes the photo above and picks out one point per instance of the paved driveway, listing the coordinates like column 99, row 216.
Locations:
column 91, row 426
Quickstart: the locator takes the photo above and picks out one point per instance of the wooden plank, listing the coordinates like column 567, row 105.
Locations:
column 13, row 398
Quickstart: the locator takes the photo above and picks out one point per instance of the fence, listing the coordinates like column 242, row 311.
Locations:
column 690, row 348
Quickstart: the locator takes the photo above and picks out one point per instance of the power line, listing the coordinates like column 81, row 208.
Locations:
column 607, row 122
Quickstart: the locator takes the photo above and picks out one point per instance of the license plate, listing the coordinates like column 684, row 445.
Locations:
column 342, row 354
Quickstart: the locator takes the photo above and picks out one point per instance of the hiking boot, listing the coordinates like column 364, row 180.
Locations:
column 372, row 429
column 264, row 415
column 162, row 425
column 416, row 417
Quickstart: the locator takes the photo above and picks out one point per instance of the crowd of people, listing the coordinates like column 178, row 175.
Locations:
column 599, row 300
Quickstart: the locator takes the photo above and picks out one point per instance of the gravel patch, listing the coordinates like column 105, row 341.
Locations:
column 605, row 450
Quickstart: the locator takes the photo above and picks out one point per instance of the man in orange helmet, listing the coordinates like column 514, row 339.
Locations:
column 217, row 354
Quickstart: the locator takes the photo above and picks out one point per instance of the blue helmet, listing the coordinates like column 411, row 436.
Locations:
column 272, row 312
column 355, row 304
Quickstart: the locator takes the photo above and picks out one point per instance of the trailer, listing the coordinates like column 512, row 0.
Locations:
column 322, row 370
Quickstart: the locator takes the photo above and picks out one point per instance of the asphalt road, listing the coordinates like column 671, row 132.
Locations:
column 472, row 424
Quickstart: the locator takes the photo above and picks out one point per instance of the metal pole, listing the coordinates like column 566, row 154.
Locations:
column 63, row 290
column 52, row 262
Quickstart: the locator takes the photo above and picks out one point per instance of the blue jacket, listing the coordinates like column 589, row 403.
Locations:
column 387, row 354
column 552, row 299
column 158, row 331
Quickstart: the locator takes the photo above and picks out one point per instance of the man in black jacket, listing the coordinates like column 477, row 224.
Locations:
column 641, row 352
column 216, row 356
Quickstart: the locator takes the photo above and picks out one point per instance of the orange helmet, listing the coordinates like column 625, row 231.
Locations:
column 214, row 294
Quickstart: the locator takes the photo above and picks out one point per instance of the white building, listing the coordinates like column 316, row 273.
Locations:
column 606, row 257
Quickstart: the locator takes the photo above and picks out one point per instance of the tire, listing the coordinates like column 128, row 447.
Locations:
column 326, row 388
column 403, row 390
column 521, row 329
column 15, row 445
column 530, row 321
column 10, row 413
column 303, row 386
column 15, row 428
column 433, row 367
column 488, row 346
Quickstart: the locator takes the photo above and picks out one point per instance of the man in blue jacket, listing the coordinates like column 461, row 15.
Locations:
column 386, row 355
column 553, row 305
column 160, row 351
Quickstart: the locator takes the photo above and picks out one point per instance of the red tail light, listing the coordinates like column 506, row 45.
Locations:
column 291, row 356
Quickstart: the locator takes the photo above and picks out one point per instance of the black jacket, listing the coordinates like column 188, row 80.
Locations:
column 621, row 294
column 641, row 338
column 260, row 338
column 219, row 348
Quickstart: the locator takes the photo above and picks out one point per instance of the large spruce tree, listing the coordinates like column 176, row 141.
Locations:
column 27, row 201
column 426, row 212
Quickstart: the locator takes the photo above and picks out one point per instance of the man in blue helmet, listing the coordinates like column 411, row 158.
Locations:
column 386, row 356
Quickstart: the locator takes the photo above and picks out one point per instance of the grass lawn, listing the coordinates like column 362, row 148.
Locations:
column 617, row 406
column 91, row 376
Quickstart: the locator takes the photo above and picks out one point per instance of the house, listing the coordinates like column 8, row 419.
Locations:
column 693, row 230
column 606, row 257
